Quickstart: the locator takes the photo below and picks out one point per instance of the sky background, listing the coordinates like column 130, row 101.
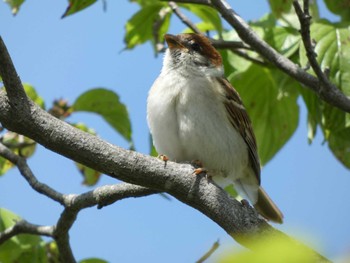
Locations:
column 62, row 58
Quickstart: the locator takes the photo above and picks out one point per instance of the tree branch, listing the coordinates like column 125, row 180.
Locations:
column 213, row 248
column 304, row 19
column 184, row 19
column 11, row 80
column 27, row 173
column 240, row 221
column 24, row 227
column 73, row 204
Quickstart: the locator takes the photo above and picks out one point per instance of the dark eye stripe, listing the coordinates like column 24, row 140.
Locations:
column 195, row 47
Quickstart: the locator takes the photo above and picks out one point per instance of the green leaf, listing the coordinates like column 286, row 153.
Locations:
column 90, row 175
column 93, row 260
column 270, row 249
column 5, row 165
column 339, row 143
column 271, row 101
column 207, row 14
column 106, row 103
column 333, row 52
column 230, row 189
column 314, row 112
column 339, row 7
column 14, row 5
column 75, row 6
column 278, row 7
column 33, row 95
column 20, row 248
column 286, row 40
column 286, row 14
column 153, row 151
column 139, row 27
column 19, row 144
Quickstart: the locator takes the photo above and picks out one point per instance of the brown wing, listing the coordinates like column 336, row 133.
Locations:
column 240, row 120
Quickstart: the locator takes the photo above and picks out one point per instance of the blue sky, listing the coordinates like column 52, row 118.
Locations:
column 65, row 57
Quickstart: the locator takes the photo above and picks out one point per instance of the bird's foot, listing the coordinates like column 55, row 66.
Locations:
column 245, row 202
column 164, row 158
column 200, row 169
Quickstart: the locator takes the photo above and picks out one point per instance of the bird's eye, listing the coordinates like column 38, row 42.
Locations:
column 195, row 46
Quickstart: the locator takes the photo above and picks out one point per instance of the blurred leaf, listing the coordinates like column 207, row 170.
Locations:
column 271, row 101
column 61, row 109
column 93, row 260
column 278, row 7
column 21, row 248
column 33, row 95
column 139, row 27
column 14, row 5
column 230, row 189
column 207, row 14
column 106, row 103
column 339, row 7
column 5, row 165
column 314, row 111
column 271, row 250
column 231, row 61
column 90, row 175
column 286, row 40
column 339, row 143
column 19, row 144
column 153, row 151
column 287, row 16
column 333, row 52
column 347, row 120
column 75, row 6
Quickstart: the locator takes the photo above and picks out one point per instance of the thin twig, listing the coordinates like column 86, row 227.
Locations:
column 226, row 44
column 155, row 30
column 213, row 248
column 24, row 227
column 184, row 19
column 247, row 57
column 27, row 173
column 198, row 2
column 305, row 19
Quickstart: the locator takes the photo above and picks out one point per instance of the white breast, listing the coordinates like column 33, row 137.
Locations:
column 188, row 121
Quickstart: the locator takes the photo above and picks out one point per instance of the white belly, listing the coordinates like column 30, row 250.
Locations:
column 188, row 122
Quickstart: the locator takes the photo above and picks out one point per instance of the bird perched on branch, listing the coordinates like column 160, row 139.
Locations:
column 194, row 113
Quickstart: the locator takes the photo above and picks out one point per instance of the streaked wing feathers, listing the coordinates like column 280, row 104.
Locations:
column 240, row 120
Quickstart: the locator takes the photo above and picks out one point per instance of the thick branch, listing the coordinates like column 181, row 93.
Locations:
column 10, row 78
column 101, row 196
column 240, row 221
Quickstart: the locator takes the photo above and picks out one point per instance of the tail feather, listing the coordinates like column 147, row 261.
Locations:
column 267, row 208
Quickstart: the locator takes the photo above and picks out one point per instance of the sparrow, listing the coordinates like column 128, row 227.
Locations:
column 194, row 113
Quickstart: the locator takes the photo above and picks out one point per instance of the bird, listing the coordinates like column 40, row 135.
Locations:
column 194, row 113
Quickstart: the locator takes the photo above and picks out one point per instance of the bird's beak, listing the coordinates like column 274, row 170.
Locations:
column 173, row 41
